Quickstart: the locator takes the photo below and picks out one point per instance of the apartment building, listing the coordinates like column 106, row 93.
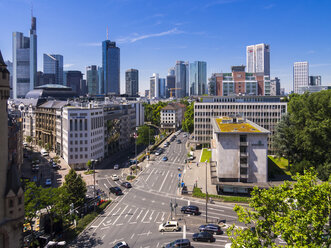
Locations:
column 80, row 134
column 265, row 111
column 172, row 116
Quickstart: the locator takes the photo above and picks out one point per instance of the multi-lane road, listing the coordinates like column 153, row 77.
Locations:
column 134, row 217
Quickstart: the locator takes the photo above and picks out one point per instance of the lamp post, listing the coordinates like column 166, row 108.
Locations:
column 93, row 163
column 206, row 194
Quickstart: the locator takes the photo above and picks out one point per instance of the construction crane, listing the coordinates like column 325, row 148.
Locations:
column 171, row 89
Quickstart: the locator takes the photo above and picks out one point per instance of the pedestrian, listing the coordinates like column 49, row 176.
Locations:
column 197, row 164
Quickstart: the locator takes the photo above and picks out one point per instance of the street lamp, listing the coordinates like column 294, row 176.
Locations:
column 206, row 193
column 94, row 161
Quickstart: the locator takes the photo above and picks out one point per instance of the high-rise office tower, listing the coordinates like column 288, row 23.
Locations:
column 131, row 82
column 258, row 59
column 300, row 75
column 73, row 79
column 172, row 71
column 198, row 78
column 24, row 61
column 92, row 79
column 101, row 84
column 162, row 87
column 111, row 67
column 170, row 86
column 154, row 86
column 313, row 80
column 182, row 79
column 53, row 64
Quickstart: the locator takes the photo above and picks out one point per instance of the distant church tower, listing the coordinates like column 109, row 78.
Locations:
column 11, row 192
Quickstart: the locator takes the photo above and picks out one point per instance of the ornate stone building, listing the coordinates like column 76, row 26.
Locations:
column 11, row 192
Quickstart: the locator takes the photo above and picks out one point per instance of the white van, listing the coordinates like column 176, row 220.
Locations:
column 44, row 153
column 169, row 226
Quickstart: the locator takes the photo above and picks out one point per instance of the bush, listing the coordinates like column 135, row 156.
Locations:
column 134, row 167
column 89, row 172
column 198, row 193
column 130, row 178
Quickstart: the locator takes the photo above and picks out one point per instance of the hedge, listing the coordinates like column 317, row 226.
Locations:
column 198, row 193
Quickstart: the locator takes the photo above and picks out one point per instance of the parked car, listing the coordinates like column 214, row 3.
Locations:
column 114, row 177
column 158, row 152
column 55, row 166
column 194, row 210
column 116, row 190
column 165, row 158
column 116, row 167
column 44, row 153
column 121, row 245
column 183, row 243
column 184, row 190
column 126, row 185
column 203, row 236
column 184, row 135
column 211, row 228
column 179, row 141
column 133, row 161
column 191, row 158
column 48, row 182
column 169, row 226
column 166, row 144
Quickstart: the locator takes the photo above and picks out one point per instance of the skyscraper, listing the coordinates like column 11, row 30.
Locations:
column 131, row 82
column 24, row 61
column 73, row 79
column 111, row 67
column 162, row 87
column 154, row 86
column 182, row 79
column 258, row 59
column 92, row 79
column 53, row 64
column 198, row 78
column 300, row 75
column 313, row 80
column 170, row 84
column 101, row 84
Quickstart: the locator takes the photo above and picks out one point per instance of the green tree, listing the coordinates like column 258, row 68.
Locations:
column 145, row 135
column 48, row 147
column 188, row 122
column 89, row 164
column 75, row 188
column 298, row 211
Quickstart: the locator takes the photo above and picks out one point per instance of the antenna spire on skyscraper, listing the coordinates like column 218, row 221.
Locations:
column 107, row 33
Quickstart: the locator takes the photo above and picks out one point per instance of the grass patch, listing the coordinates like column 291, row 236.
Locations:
column 198, row 193
column 206, row 155
column 89, row 172
column 278, row 166
column 130, row 178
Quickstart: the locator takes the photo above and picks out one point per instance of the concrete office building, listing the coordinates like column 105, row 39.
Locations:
column 182, row 79
column 92, row 80
column 239, row 82
column 265, row 111
column 83, row 135
column 73, row 79
column 300, row 75
column 258, row 59
column 24, row 61
column 111, row 67
column 315, row 80
column 11, row 192
column 312, row 88
column 154, row 86
column 198, row 78
column 53, row 64
column 275, row 87
column 131, row 82
column 171, row 116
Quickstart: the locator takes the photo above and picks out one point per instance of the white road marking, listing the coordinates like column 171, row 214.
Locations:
column 163, row 181
column 139, row 214
column 150, row 217
column 149, row 175
column 156, row 216
column 106, row 227
column 162, row 219
column 120, row 215
column 119, row 224
column 133, row 223
column 127, row 214
column 132, row 236
column 132, row 214
column 145, row 216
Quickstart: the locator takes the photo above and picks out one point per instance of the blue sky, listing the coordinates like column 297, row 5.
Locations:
column 153, row 34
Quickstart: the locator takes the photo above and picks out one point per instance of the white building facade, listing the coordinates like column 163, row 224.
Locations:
column 258, row 58
column 300, row 75
column 171, row 116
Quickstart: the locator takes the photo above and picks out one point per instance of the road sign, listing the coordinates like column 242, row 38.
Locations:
column 179, row 175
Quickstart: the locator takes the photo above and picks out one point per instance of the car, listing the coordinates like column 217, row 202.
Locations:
column 126, row 185
column 165, row 158
column 179, row 141
column 194, row 210
column 158, row 152
column 55, row 166
column 133, row 161
column 121, row 245
column 116, row 167
column 184, row 190
column 212, row 228
column 114, row 177
column 166, row 144
column 183, row 243
column 48, row 182
column 115, row 190
column 184, row 135
column 203, row 236
column 191, row 158
column 44, row 154
column 169, row 226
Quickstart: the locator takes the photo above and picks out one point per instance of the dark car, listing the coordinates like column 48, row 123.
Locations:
column 126, row 185
column 121, row 245
column 179, row 243
column 194, row 210
column 203, row 236
column 179, row 141
column 184, row 190
column 116, row 190
column 211, row 228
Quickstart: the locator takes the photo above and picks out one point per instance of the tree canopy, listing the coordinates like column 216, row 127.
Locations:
column 152, row 112
column 297, row 212
column 304, row 135
column 145, row 135
column 75, row 188
column 188, row 122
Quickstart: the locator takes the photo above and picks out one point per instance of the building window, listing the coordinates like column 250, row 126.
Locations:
column 19, row 200
column 11, row 203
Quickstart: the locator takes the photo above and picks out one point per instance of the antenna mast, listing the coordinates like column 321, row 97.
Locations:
column 107, row 33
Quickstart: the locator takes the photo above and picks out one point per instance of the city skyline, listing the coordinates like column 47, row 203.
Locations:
column 170, row 34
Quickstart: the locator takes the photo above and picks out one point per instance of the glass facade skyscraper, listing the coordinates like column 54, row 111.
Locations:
column 198, row 78
column 53, row 64
column 131, row 82
column 24, row 61
column 111, row 67
column 182, row 79
column 92, row 80
column 162, row 87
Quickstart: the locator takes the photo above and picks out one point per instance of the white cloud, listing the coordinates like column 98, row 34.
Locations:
column 146, row 36
column 68, row 65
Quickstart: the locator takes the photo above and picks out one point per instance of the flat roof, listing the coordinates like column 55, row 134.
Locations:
column 227, row 124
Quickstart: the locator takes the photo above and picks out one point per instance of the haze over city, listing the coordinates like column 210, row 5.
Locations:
column 153, row 35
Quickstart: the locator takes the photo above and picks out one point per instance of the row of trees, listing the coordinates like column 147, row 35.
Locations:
column 304, row 134
column 188, row 122
column 152, row 112
column 54, row 201
column 298, row 213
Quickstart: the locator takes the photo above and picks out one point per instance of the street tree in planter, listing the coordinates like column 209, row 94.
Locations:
column 89, row 165
column 145, row 135
column 75, row 188
column 28, row 139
